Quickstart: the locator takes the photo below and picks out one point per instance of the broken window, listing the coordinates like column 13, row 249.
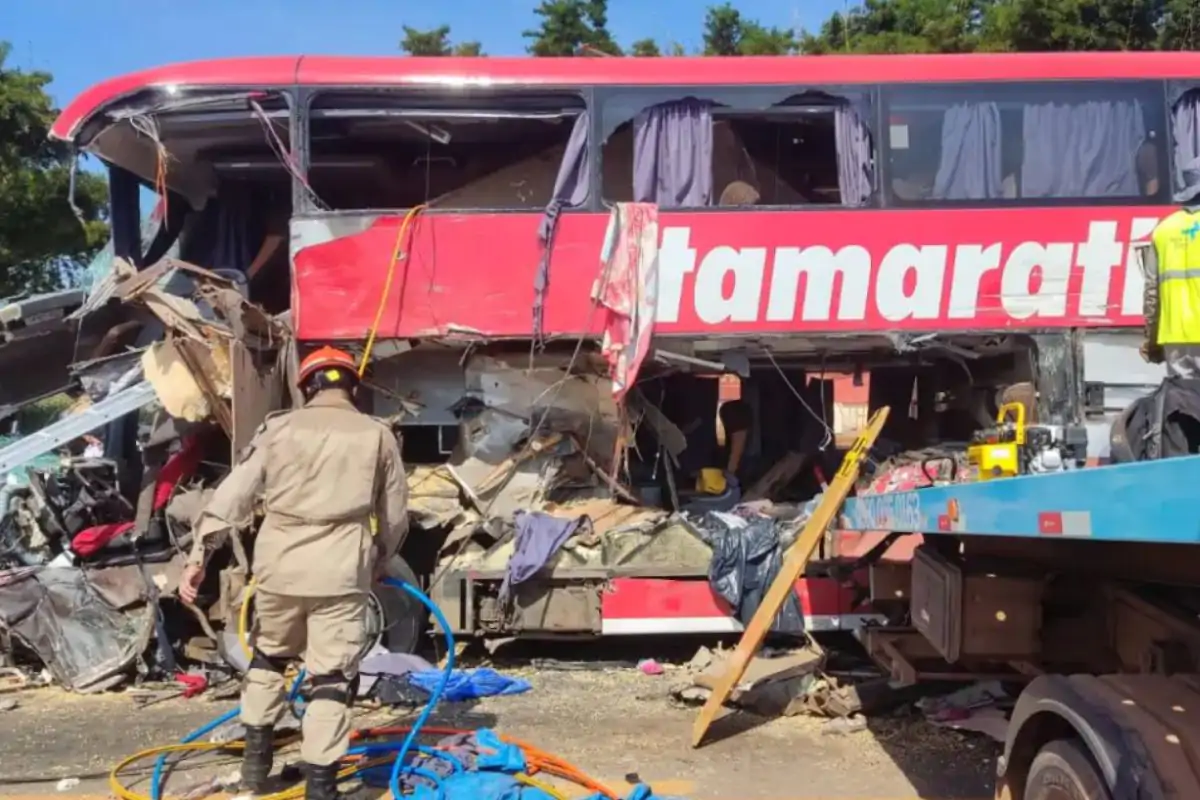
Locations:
column 372, row 150
column 1025, row 142
column 231, row 159
column 753, row 146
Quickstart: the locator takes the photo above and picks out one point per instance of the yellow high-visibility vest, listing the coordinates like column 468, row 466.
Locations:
column 1177, row 246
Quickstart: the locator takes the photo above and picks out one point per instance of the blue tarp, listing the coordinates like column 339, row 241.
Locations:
column 469, row 685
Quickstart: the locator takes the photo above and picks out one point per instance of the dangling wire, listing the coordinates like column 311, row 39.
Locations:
column 148, row 127
column 282, row 152
column 828, row 439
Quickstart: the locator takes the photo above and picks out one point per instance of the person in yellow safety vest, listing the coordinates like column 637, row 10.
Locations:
column 1172, row 299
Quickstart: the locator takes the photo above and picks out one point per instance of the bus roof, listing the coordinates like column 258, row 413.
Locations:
column 282, row 71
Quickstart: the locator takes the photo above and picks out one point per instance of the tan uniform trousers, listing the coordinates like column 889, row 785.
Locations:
column 330, row 633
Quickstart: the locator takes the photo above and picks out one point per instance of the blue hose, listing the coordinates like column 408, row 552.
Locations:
column 203, row 730
column 398, row 768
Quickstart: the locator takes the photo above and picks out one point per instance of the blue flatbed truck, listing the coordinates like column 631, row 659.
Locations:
column 1085, row 586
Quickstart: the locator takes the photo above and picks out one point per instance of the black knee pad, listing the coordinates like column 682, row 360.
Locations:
column 276, row 664
column 336, row 687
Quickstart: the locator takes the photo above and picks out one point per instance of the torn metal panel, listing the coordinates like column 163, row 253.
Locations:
column 72, row 426
column 67, row 618
column 546, row 393
column 102, row 377
column 38, row 342
column 498, row 473
column 424, row 384
column 257, row 391
column 434, row 497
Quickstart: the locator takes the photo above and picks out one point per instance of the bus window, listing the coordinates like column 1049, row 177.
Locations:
column 1000, row 143
column 717, row 150
column 383, row 150
column 1185, row 125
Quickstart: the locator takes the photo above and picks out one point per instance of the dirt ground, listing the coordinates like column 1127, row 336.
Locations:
column 615, row 724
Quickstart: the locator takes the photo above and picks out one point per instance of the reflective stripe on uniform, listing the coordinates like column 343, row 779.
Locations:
column 1177, row 247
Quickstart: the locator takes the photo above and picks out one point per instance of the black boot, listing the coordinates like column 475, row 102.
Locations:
column 257, row 759
column 321, row 783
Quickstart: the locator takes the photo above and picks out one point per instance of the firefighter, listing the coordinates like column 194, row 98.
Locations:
column 321, row 471
column 1172, row 294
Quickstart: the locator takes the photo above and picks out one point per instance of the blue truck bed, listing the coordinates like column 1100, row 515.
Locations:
column 1148, row 501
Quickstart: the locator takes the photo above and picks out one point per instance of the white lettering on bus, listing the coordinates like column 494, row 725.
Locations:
column 818, row 284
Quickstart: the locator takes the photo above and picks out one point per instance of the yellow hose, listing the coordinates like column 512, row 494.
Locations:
column 243, row 629
column 536, row 784
column 387, row 286
column 125, row 793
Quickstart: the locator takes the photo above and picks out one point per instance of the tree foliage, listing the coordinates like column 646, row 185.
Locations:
column 571, row 27
column 962, row 26
column 436, row 42
column 728, row 33
column 580, row 27
column 42, row 242
column 645, row 48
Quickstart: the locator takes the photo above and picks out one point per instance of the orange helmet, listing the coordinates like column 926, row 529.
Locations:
column 326, row 358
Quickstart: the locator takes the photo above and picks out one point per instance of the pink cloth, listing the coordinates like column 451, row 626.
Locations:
column 627, row 289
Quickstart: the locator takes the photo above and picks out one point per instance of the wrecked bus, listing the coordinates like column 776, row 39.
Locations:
column 945, row 228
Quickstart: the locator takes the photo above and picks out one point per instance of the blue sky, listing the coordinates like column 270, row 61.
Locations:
column 81, row 45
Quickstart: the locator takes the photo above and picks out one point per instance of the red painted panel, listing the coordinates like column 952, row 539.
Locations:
column 730, row 272
column 648, row 598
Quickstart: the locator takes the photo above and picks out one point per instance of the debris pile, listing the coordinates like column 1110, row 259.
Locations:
column 91, row 544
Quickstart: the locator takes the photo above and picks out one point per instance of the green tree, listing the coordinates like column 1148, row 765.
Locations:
column 1040, row 26
column 468, row 49
column 42, row 241
column 962, row 26
column 904, row 26
column 569, row 26
column 436, row 42
column 1179, row 27
column 727, row 33
column 644, row 47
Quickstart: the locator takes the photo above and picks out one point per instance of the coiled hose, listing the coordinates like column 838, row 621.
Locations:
column 373, row 752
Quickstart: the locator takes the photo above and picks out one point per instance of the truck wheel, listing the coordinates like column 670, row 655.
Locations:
column 404, row 617
column 1063, row 770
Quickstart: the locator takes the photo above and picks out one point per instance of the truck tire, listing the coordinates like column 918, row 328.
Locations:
column 404, row 618
column 1063, row 770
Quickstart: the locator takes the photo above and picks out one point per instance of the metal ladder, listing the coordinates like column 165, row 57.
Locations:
column 115, row 406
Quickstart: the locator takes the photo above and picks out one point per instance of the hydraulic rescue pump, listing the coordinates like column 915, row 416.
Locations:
column 1013, row 447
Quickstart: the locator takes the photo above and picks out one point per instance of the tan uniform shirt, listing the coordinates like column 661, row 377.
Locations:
column 321, row 472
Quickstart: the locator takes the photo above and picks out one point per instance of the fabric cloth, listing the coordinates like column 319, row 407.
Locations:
column 469, row 684
column 747, row 555
column 1085, row 148
column 1185, row 122
column 1177, row 253
column 855, row 159
column 179, row 466
column 1183, row 361
column 321, row 471
column 330, row 633
column 970, row 166
column 88, row 628
column 538, row 538
column 1163, row 424
column 673, row 154
column 571, row 188
column 627, row 289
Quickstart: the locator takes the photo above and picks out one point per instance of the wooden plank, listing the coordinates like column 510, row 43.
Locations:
column 793, row 567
